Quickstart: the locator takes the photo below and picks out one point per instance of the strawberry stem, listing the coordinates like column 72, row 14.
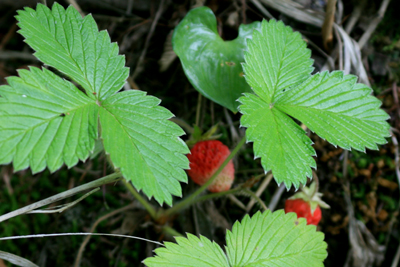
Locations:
column 192, row 198
column 150, row 209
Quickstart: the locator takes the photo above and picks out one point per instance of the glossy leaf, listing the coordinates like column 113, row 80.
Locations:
column 45, row 121
column 73, row 45
column 276, row 240
column 144, row 144
column 212, row 65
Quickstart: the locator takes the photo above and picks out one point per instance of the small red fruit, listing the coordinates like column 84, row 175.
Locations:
column 205, row 159
column 302, row 209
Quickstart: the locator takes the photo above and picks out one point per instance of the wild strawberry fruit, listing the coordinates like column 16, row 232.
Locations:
column 307, row 204
column 302, row 209
column 205, row 159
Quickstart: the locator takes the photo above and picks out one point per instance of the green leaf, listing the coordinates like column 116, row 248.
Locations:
column 339, row 110
column 332, row 105
column 277, row 240
column 73, row 45
column 45, row 120
column 276, row 59
column 278, row 140
column 212, row 65
column 267, row 239
column 191, row 251
column 144, row 144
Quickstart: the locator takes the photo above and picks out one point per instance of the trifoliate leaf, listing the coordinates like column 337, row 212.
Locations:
column 275, row 240
column 45, row 120
column 278, row 140
column 338, row 109
column 332, row 105
column 73, row 45
column 212, row 65
column 190, row 252
column 144, row 144
column 276, row 59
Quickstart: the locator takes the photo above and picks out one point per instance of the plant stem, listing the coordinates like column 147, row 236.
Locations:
column 150, row 209
column 171, row 231
column 198, row 110
column 219, row 194
column 96, row 183
column 192, row 197
column 251, row 193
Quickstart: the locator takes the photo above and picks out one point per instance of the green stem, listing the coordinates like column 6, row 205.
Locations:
column 192, row 198
column 171, row 231
column 219, row 194
column 150, row 209
column 259, row 200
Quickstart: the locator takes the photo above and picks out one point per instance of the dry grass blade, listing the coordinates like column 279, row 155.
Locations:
column 262, row 9
column 16, row 260
column 296, row 11
column 168, row 56
column 352, row 56
column 374, row 23
column 96, row 183
column 259, row 191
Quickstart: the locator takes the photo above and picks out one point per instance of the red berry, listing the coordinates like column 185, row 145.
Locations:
column 302, row 209
column 205, row 159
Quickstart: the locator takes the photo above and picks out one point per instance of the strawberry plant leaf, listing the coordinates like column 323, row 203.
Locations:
column 73, row 45
column 276, row 59
column 267, row 239
column 278, row 140
column 275, row 239
column 339, row 110
column 143, row 144
column 332, row 105
column 45, row 120
column 190, row 251
column 212, row 65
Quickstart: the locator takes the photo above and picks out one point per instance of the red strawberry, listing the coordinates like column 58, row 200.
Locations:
column 302, row 209
column 205, row 159
column 307, row 204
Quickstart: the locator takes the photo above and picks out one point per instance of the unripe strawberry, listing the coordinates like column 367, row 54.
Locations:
column 205, row 159
column 302, row 209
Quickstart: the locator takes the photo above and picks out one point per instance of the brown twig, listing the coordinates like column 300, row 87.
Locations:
column 8, row 36
column 396, row 102
column 244, row 6
column 327, row 35
column 139, row 65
